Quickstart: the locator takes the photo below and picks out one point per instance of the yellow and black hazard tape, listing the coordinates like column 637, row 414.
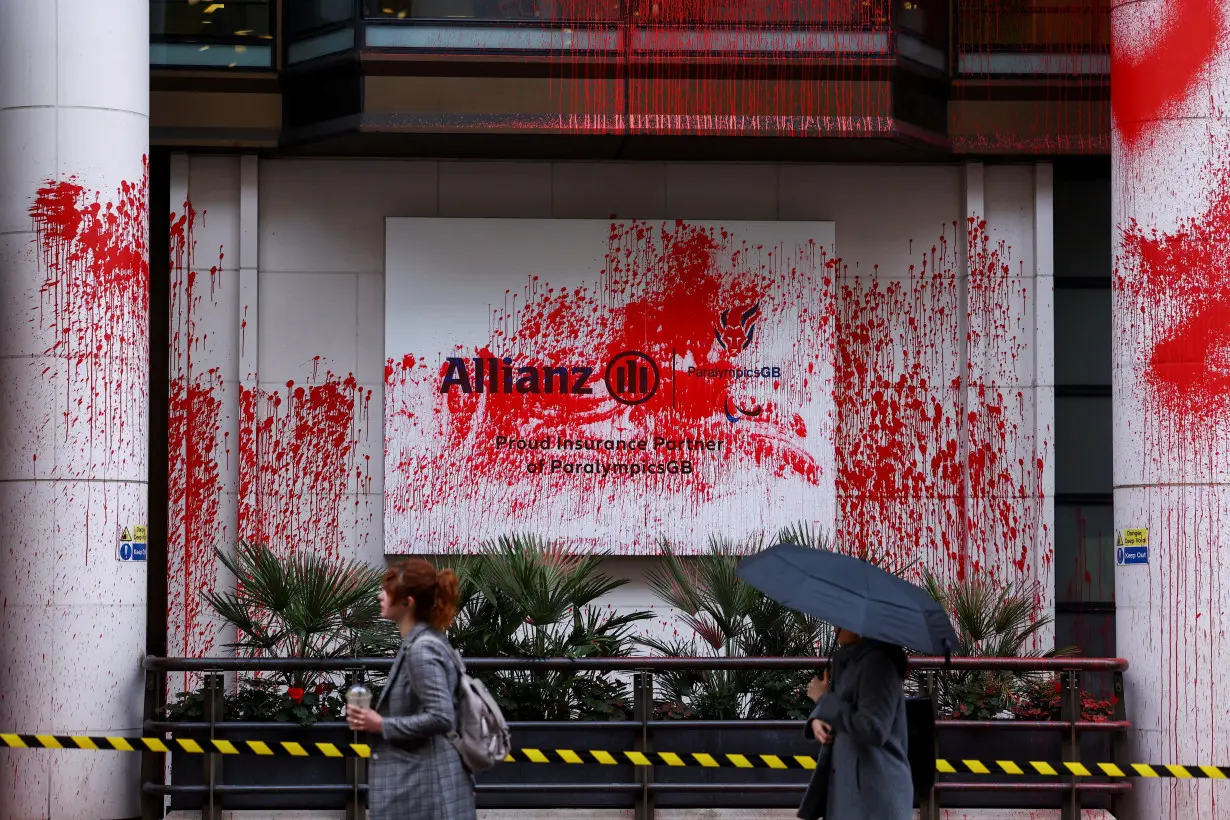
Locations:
column 1009, row 767
column 182, row 744
column 581, row 756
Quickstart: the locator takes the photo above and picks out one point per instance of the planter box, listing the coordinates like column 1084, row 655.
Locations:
column 955, row 743
column 585, row 776
column 1017, row 745
column 670, row 739
column 780, row 742
column 250, row 770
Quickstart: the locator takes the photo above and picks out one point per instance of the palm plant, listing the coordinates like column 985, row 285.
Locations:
column 526, row 597
column 729, row 618
column 992, row 620
column 302, row 605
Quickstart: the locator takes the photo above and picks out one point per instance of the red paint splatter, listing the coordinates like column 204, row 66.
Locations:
column 663, row 292
column 96, row 258
column 1151, row 85
column 1172, row 292
column 195, row 482
column 299, row 463
column 298, row 467
column 1177, row 295
column 936, row 455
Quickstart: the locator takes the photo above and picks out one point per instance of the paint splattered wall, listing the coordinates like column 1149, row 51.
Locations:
column 644, row 380
column 943, row 443
column 1171, row 290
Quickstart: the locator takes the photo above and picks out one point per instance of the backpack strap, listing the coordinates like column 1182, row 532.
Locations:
column 458, row 662
column 452, row 651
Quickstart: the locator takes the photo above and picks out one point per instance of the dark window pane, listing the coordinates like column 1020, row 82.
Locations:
column 308, row 15
column 1084, row 553
column 1094, row 633
column 1083, row 445
column 675, row 13
column 1082, row 337
column 206, row 19
column 1082, row 225
column 545, row 11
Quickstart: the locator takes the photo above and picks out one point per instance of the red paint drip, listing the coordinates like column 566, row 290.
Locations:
column 195, row 447
column 96, row 258
column 784, row 68
column 713, row 66
column 935, row 458
column 299, row 465
column 680, row 293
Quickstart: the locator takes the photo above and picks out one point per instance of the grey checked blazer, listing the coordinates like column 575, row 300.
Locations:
column 416, row 774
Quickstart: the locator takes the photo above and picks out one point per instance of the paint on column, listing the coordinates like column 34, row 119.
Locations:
column 1176, row 289
column 198, row 449
column 303, row 482
column 1171, row 290
column 1153, row 81
column 923, row 471
column 95, row 300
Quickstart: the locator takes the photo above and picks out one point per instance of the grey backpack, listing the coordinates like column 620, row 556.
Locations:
column 481, row 735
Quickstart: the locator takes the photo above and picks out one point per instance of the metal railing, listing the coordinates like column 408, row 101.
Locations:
column 644, row 790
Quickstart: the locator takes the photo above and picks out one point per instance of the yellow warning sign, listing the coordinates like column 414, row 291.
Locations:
column 125, row 535
column 1133, row 537
column 138, row 533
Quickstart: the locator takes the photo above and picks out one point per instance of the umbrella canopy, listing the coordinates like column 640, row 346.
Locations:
column 853, row 595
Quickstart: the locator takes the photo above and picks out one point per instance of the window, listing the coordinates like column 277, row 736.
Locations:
column 1084, row 510
column 230, row 34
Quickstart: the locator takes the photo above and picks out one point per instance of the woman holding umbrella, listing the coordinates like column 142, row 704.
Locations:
column 861, row 717
column 863, row 771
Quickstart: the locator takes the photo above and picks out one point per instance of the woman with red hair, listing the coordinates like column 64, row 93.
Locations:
column 416, row 773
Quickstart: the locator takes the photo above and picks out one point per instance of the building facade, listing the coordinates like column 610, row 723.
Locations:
column 991, row 330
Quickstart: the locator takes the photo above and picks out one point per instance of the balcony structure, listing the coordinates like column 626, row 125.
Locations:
column 663, row 79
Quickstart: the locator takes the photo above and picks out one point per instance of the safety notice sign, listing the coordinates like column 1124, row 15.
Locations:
column 133, row 543
column 1132, row 546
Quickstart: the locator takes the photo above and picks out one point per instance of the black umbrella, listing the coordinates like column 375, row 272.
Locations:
column 853, row 595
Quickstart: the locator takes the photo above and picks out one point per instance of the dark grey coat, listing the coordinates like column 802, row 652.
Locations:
column 416, row 774
column 870, row 777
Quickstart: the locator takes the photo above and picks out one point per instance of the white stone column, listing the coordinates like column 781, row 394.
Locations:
column 74, row 345
column 1170, row 154
column 1007, row 394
